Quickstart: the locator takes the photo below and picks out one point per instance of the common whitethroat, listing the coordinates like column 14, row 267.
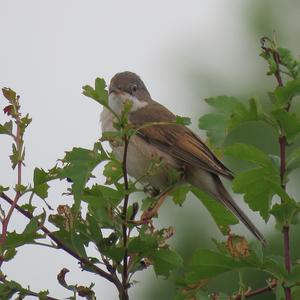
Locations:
column 176, row 145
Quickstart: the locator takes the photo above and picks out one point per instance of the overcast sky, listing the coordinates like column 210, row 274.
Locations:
column 50, row 49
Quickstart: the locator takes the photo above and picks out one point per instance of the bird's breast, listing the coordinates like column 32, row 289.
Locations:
column 144, row 160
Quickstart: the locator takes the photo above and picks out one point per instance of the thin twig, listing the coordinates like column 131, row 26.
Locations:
column 124, row 225
column 84, row 261
column 282, row 149
column 19, row 147
column 256, row 292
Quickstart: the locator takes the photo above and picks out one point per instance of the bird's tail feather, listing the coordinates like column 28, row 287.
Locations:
column 230, row 204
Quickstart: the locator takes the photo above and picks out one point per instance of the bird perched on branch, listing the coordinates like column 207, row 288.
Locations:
column 175, row 144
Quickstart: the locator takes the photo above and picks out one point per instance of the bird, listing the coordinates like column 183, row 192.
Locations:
column 175, row 144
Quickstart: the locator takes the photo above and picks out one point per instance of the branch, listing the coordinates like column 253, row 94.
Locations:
column 124, row 225
column 282, row 147
column 18, row 140
column 84, row 261
column 256, row 292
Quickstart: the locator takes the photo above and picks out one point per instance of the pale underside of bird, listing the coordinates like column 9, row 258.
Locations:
column 174, row 144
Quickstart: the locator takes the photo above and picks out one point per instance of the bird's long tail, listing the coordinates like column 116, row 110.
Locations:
column 230, row 204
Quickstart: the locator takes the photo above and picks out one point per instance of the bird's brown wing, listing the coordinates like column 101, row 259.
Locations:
column 175, row 139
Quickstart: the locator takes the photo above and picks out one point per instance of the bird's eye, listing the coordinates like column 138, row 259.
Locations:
column 133, row 88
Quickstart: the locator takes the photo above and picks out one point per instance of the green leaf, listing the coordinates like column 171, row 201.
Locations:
column 183, row 120
column 248, row 153
column 230, row 113
column 115, row 253
column 287, row 59
column 40, row 178
column 257, row 185
column 99, row 93
column 223, row 104
column 24, row 122
column 288, row 122
column 101, row 195
column 3, row 189
column 285, row 213
column 15, row 240
column 14, row 157
column 142, row 244
column 6, row 128
column 215, row 125
column 94, row 229
column 179, row 194
column 9, row 94
column 242, row 114
column 9, row 254
column 164, row 261
column 8, row 289
column 113, row 171
column 284, row 94
column 28, row 236
column 220, row 214
column 79, row 164
column 293, row 161
column 207, row 264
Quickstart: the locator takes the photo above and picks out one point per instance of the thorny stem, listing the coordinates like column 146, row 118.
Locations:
column 125, row 284
column 83, row 261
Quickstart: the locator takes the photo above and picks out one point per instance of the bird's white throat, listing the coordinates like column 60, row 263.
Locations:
column 116, row 103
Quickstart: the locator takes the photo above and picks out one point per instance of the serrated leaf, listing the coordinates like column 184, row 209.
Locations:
column 242, row 113
column 14, row 157
column 223, row 104
column 8, row 289
column 220, row 214
column 6, row 128
column 115, row 253
column 9, row 94
column 207, row 264
column 287, row 60
column 113, row 171
column 40, row 178
column 182, row 120
column 248, row 153
column 164, row 261
column 284, row 94
column 99, row 93
column 179, row 194
column 15, row 240
column 288, row 122
column 230, row 114
column 24, row 122
column 3, row 189
column 101, row 195
column 79, row 164
column 285, row 213
column 257, row 190
column 293, row 161
column 9, row 254
column 142, row 244
column 215, row 125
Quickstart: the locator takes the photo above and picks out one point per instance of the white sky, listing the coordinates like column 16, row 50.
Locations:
column 50, row 49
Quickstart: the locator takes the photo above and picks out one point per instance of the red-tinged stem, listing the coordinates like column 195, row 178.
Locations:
column 84, row 261
column 282, row 147
column 5, row 221
column 125, row 284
